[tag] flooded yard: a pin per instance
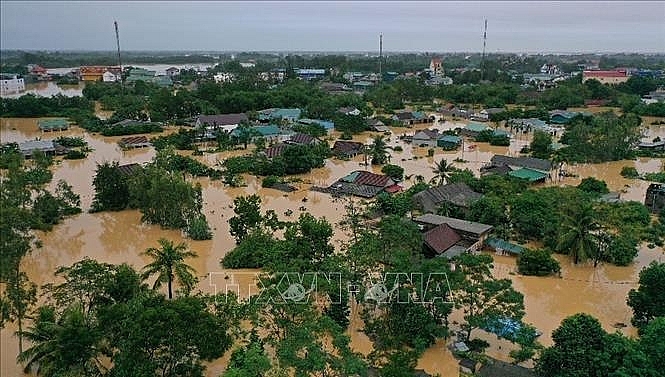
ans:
(120, 237)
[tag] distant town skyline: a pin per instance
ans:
(446, 26)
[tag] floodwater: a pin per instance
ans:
(120, 237)
(50, 89)
(160, 69)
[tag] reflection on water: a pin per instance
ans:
(120, 237)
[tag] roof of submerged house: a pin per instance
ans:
(222, 119)
(525, 162)
(441, 238)
(456, 224)
(459, 194)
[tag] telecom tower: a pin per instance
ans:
(117, 41)
(482, 59)
(380, 55)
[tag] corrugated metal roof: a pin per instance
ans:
(456, 224)
(529, 174)
(370, 179)
(441, 238)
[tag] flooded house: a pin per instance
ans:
(377, 125)
(529, 168)
(134, 142)
(48, 125)
(361, 183)
(347, 149)
(473, 129)
(277, 114)
(272, 133)
(224, 122)
(327, 125)
(129, 169)
(449, 142)
(655, 198)
(302, 139)
(425, 138)
(410, 118)
(457, 194)
(48, 147)
(449, 237)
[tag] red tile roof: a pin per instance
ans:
(441, 238)
(604, 73)
(371, 179)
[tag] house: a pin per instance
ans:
(470, 232)
(485, 114)
(335, 88)
(562, 117)
(516, 163)
(129, 169)
(498, 368)
(473, 129)
(362, 86)
(503, 247)
(426, 138)
(377, 125)
(449, 142)
(11, 83)
(326, 124)
(310, 74)
(134, 142)
(163, 81)
(439, 80)
(272, 133)
(38, 71)
(454, 112)
(443, 241)
(347, 149)
(302, 139)
(469, 366)
(221, 78)
(606, 77)
(48, 125)
(109, 76)
(530, 124)
(458, 194)
(409, 118)
(655, 198)
(436, 66)
(530, 175)
(654, 97)
(359, 183)
(275, 151)
(96, 73)
(225, 122)
(172, 71)
(290, 115)
(141, 74)
(349, 111)
(49, 147)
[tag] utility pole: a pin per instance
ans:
(482, 59)
(380, 56)
(117, 41)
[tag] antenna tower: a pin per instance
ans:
(117, 41)
(380, 55)
(482, 59)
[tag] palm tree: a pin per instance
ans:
(442, 170)
(378, 151)
(63, 345)
(168, 264)
(578, 236)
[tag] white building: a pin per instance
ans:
(224, 77)
(11, 83)
(109, 76)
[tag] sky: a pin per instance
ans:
(431, 26)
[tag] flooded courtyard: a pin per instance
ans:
(120, 237)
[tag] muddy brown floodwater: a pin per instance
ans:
(120, 237)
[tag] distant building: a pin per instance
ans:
(605, 77)
(172, 71)
(224, 122)
(11, 83)
(436, 66)
(310, 74)
(221, 78)
(349, 111)
(425, 138)
(96, 73)
(457, 194)
(109, 76)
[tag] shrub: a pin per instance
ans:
(629, 172)
(269, 181)
(199, 229)
(393, 171)
(75, 155)
(537, 263)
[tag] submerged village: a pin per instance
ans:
(333, 215)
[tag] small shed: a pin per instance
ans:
(530, 175)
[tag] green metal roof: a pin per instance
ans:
(450, 139)
(498, 243)
(476, 127)
(268, 130)
(50, 124)
(528, 174)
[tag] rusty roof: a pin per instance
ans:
(134, 140)
(275, 150)
(222, 119)
(371, 179)
(302, 139)
(441, 238)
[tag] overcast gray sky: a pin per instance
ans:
(447, 26)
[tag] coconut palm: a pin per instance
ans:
(442, 170)
(63, 345)
(379, 151)
(169, 264)
(578, 237)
